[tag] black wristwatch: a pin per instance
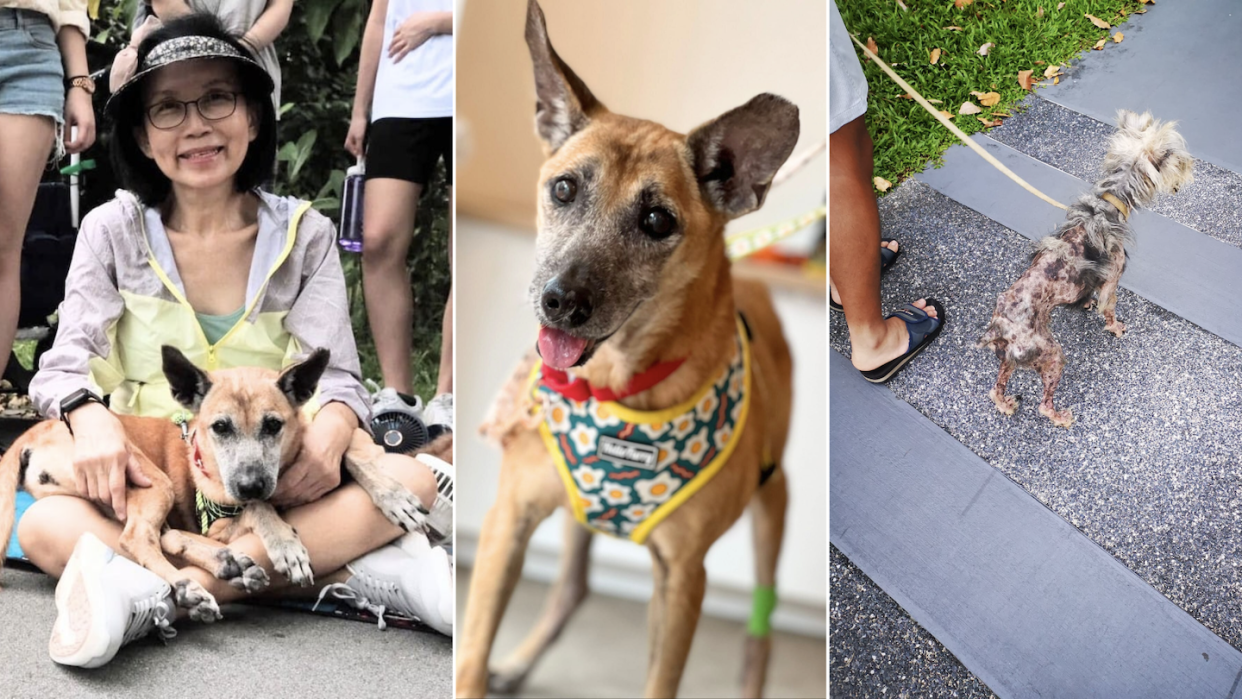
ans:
(76, 400)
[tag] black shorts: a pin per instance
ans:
(407, 149)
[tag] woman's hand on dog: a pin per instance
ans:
(317, 470)
(102, 462)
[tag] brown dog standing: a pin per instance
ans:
(632, 275)
(247, 429)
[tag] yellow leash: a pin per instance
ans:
(956, 131)
(740, 245)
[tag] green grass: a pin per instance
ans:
(906, 137)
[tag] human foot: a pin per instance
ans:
(921, 324)
(890, 250)
(867, 355)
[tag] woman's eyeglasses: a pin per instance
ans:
(213, 106)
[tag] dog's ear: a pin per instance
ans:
(1134, 123)
(736, 155)
(188, 384)
(299, 381)
(563, 104)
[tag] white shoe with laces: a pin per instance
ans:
(408, 577)
(105, 601)
(440, 516)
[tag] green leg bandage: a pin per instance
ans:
(762, 604)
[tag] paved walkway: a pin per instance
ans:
(1150, 472)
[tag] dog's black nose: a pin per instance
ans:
(254, 486)
(566, 301)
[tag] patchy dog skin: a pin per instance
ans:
(247, 429)
(1085, 257)
(631, 271)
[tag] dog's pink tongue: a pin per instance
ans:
(559, 349)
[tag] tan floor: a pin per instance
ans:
(575, 666)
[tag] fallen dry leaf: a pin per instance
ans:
(1098, 22)
(930, 100)
(1144, 2)
(1003, 115)
(935, 56)
(902, 5)
(1141, 12)
(1051, 71)
(988, 99)
(1039, 63)
(1118, 37)
(1040, 12)
(959, 4)
(872, 47)
(986, 122)
(1024, 79)
(953, 28)
(983, 50)
(1060, 5)
(1056, 80)
(969, 108)
(1099, 45)
(882, 184)
(947, 115)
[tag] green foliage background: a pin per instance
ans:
(904, 134)
(319, 66)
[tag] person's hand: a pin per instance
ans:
(102, 462)
(79, 113)
(317, 470)
(356, 136)
(413, 32)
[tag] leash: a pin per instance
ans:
(740, 245)
(956, 131)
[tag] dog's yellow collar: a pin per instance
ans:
(1115, 201)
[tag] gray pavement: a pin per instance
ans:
(252, 652)
(1150, 472)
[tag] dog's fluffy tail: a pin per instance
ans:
(12, 467)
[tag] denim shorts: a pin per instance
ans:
(31, 76)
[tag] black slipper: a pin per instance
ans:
(923, 331)
(888, 258)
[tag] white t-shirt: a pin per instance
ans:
(421, 85)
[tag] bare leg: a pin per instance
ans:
(1050, 365)
(854, 266)
(566, 595)
(1005, 404)
(445, 382)
(388, 218)
(25, 144)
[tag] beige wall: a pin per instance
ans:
(679, 62)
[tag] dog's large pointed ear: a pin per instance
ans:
(188, 384)
(737, 154)
(299, 381)
(564, 104)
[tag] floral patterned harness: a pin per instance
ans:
(626, 470)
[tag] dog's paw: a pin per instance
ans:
(240, 571)
(507, 683)
(401, 507)
(194, 597)
(1008, 405)
(291, 559)
(1060, 418)
(1116, 327)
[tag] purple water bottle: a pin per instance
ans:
(350, 231)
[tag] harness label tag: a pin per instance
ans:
(621, 452)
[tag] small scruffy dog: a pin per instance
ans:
(1086, 255)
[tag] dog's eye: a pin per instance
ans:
(658, 223)
(272, 426)
(222, 427)
(565, 189)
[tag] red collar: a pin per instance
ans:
(580, 390)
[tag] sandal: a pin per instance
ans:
(923, 330)
(888, 258)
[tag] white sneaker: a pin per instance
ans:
(104, 601)
(408, 577)
(440, 517)
(440, 411)
(389, 399)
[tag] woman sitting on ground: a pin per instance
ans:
(194, 256)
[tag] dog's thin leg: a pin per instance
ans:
(678, 598)
(1005, 404)
(238, 569)
(288, 555)
(140, 541)
(566, 595)
(1050, 365)
(768, 517)
(1108, 296)
(398, 504)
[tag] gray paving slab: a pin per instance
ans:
(877, 650)
(1179, 59)
(252, 652)
(1176, 267)
(1150, 471)
(1076, 144)
(1026, 601)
